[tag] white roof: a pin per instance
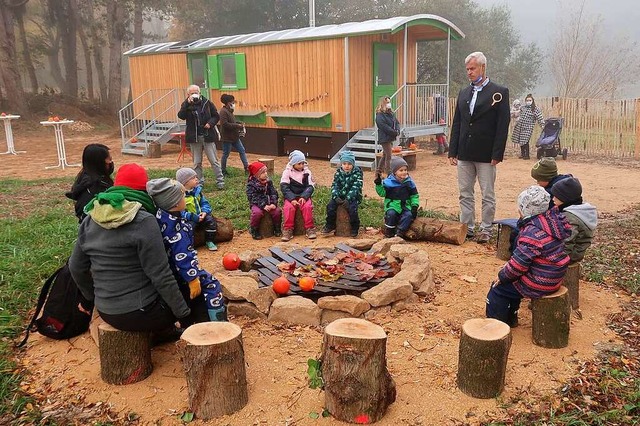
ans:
(389, 25)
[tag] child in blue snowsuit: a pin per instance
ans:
(401, 199)
(198, 210)
(177, 234)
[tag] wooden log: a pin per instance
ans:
(411, 160)
(503, 250)
(266, 226)
(572, 282)
(298, 226)
(212, 356)
(358, 387)
(482, 357)
(125, 356)
(441, 231)
(343, 226)
(224, 233)
(551, 319)
(154, 150)
(270, 163)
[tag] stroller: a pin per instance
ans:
(548, 143)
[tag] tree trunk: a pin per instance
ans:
(116, 31)
(96, 45)
(343, 226)
(441, 231)
(503, 251)
(54, 63)
(67, 28)
(125, 356)
(86, 50)
(482, 357)
(137, 34)
(357, 385)
(572, 282)
(8, 57)
(551, 320)
(212, 356)
(26, 52)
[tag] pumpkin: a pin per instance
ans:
(396, 149)
(231, 261)
(281, 285)
(413, 147)
(307, 283)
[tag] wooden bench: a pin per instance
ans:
(409, 156)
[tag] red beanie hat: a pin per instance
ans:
(256, 167)
(132, 176)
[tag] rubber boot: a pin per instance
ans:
(525, 151)
(277, 230)
(440, 150)
(255, 233)
(218, 314)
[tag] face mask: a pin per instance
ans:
(388, 106)
(232, 106)
(195, 97)
(528, 103)
(110, 168)
(477, 80)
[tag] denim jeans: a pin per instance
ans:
(485, 173)
(226, 150)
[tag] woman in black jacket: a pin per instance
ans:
(388, 131)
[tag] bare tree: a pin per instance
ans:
(586, 62)
(20, 10)
(8, 58)
(116, 14)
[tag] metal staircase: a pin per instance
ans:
(150, 118)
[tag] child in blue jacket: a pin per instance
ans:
(198, 210)
(401, 198)
(196, 284)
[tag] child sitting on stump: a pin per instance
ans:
(198, 210)
(545, 172)
(263, 198)
(583, 217)
(400, 198)
(196, 284)
(346, 190)
(297, 186)
(538, 262)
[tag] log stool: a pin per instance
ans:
(298, 227)
(482, 357)
(270, 163)
(503, 250)
(550, 319)
(213, 360)
(224, 233)
(357, 385)
(572, 282)
(343, 225)
(125, 356)
(266, 226)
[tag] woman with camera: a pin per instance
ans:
(231, 131)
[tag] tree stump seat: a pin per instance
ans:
(212, 355)
(125, 356)
(266, 227)
(482, 357)
(358, 387)
(224, 233)
(298, 226)
(572, 282)
(441, 231)
(343, 224)
(270, 163)
(551, 319)
(503, 249)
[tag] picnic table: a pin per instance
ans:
(62, 154)
(409, 156)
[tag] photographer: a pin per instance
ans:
(201, 133)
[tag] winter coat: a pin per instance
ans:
(229, 128)
(583, 219)
(196, 203)
(523, 129)
(84, 189)
(481, 136)
(388, 127)
(347, 186)
(197, 115)
(295, 184)
(539, 262)
(261, 195)
(398, 195)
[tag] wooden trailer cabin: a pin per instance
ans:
(313, 89)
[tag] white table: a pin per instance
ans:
(62, 154)
(9, 134)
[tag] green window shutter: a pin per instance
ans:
(213, 77)
(241, 71)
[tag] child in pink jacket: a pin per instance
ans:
(297, 186)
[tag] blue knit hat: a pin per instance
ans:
(296, 157)
(348, 157)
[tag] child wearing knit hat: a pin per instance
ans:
(538, 263)
(545, 173)
(297, 186)
(263, 199)
(201, 290)
(346, 190)
(198, 209)
(583, 217)
(401, 199)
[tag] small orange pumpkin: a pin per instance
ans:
(307, 283)
(281, 285)
(396, 149)
(413, 146)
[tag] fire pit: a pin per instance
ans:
(344, 270)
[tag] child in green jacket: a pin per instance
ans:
(346, 190)
(400, 198)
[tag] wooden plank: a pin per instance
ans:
(272, 265)
(353, 274)
(346, 282)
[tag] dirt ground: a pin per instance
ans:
(422, 349)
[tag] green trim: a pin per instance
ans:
(213, 78)
(301, 121)
(260, 118)
(241, 71)
(431, 23)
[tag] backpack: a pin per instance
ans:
(61, 318)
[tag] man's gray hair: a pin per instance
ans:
(478, 56)
(193, 87)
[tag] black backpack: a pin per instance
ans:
(61, 318)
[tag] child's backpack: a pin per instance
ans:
(61, 318)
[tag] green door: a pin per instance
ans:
(198, 71)
(385, 79)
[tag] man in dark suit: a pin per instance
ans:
(478, 139)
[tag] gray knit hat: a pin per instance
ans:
(533, 201)
(185, 174)
(396, 163)
(165, 192)
(296, 157)
(545, 169)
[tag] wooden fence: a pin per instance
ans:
(593, 126)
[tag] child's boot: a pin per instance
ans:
(255, 233)
(218, 314)
(389, 231)
(354, 231)
(211, 246)
(311, 233)
(287, 235)
(277, 230)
